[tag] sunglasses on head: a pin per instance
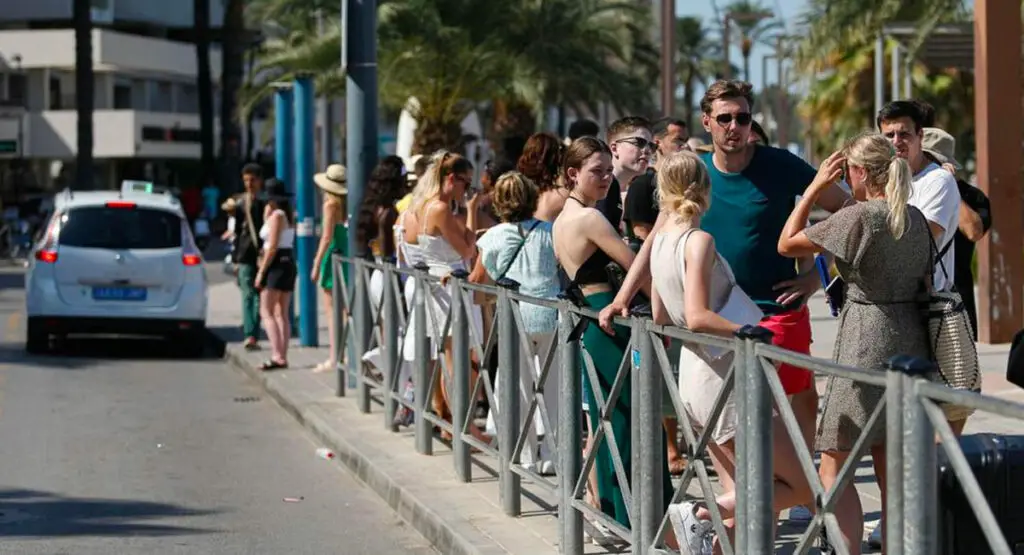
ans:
(742, 118)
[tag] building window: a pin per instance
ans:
(160, 96)
(188, 99)
(17, 89)
(123, 94)
(55, 97)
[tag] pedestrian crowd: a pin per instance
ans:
(711, 237)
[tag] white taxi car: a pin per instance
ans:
(120, 263)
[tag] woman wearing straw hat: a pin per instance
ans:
(333, 240)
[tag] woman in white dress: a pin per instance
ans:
(433, 234)
(694, 288)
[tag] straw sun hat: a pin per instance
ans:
(333, 180)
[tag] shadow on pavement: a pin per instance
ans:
(79, 352)
(39, 514)
(12, 280)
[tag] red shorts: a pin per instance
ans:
(792, 332)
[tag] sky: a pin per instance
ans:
(788, 10)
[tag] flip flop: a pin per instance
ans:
(325, 366)
(273, 365)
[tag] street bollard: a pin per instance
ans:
(339, 296)
(421, 376)
(570, 432)
(460, 377)
(508, 400)
(754, 483)
(649, 453)
(392, 371)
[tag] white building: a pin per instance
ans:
(146, 119)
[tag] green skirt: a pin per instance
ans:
(339, 245)
(607, 353)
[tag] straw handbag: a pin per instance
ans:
(952, 342)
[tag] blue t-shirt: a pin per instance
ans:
(211, 195)
(748, 211)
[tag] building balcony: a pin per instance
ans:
(53, 135)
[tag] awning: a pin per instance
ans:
(947, 46)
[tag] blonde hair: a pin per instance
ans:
(514, 197)
(887, 173)
(684, 185)
(442, 164)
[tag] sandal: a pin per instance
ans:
(676, 467)
(273, 365)
(252, 346)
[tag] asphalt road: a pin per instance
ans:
(115, 447)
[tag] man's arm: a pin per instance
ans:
(970, 223)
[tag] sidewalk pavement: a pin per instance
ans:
(467, 518)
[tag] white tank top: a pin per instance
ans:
(287, 237)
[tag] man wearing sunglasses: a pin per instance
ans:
(753, 191)
(630, 141)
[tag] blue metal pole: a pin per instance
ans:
(284, 149)
(359, 57)
(305, 201)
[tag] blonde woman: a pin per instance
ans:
(333, 240)
(520, 248)
(434, 234)
(881, 248)
(692, 284)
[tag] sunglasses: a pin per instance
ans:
(639, 142)
(742, 119)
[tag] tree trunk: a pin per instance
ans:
(232, 74)
(201, 16)
(688, 87)
(512, 118)
(85, 91)
(432, 136)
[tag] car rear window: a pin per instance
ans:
(101, 227)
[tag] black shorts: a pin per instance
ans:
(282, 272)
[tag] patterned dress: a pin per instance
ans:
(885, 279)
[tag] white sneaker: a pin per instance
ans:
(875, 538)
(692, 533)
(546, 468)
(599, 534)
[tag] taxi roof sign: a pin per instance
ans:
(136, 186)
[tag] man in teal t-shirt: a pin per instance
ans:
(753, 191)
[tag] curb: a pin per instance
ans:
(449, 538)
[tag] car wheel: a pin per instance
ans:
(37, 341)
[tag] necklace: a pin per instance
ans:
(581, 203)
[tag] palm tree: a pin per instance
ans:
(84, 83)
(234, 39)
(699, 60)
(755, 23)
(201, 19)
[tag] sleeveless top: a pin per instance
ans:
(287, 237)
(668, 272)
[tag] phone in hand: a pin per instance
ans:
(835, 292)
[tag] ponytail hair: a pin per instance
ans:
(897, 192)
(886, 173)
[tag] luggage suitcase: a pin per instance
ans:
(998, 464)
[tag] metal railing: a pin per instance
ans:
(910, 408)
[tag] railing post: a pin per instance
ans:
(894, 459)
(459, 395)
(648, 447)
(390, 384)
(339, 291)
(570, 431)
(364, 329)
(920, 472)
(754, 483)
(508, 400)
(421, 374)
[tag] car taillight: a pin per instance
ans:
(46, 256)
(120, 204)
(191, 259)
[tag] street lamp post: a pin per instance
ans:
(768, 116)
(668, 57)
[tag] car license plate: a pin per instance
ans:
(119, 293)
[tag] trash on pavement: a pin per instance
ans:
(325, 453)
(293, 499)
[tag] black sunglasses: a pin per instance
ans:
(639, 142)
(742, 119)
